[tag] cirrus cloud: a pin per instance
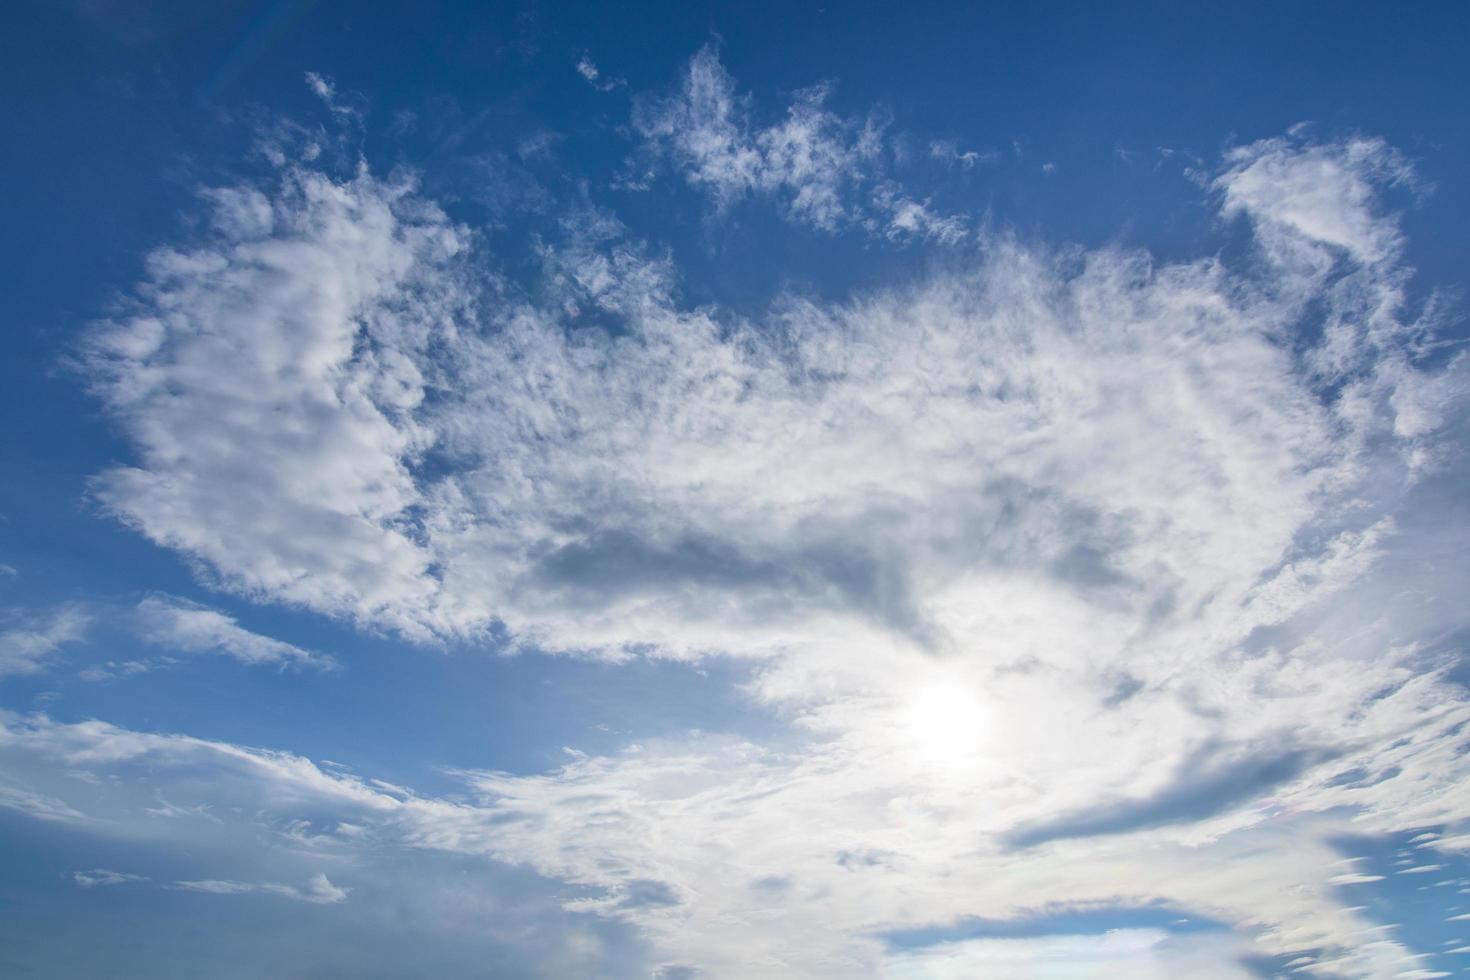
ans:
(1069, 572)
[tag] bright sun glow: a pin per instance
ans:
(947, 723)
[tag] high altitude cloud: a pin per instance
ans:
(28, 640)
(1319, 194)
(344, 870)
(165, 622)
(319, 890)
(179, 625)
(810, 158)
(1076, 574)
(825, 170)
(100, 877)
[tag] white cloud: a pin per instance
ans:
(326, 90)
(37, 805)
(29, 640)
(321, 87)
(904, 218)
(1321, 193)
(1140, 953)
(113, 669)
(702, 844)
(187, 627)
(589, 71)
(949, 152)
(268, 371)
(812, 161)
(172, 623)
(349, 859)
(101, 877)
(1179, 583)
(318, 890)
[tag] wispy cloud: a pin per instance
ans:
(176, 625)
(1303, 195)
(187, 627)
(326, 90)
(1065, 567)
(28, 640)
(949, 152)
(810, 159)
(594, 76)
(318, 890)
(826, 171)
(101, 877)
(37, 805)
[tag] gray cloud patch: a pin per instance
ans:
(644, 893)
(1203, 788)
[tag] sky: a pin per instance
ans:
(674, 491)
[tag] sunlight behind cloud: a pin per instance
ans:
(737, 523)
(1048, 551)
(945, 725)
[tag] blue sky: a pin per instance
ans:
(888, 490)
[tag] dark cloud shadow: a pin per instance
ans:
(1205, 785)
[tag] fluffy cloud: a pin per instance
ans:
(1070, 571)
(1315, 194)
(268, 370)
